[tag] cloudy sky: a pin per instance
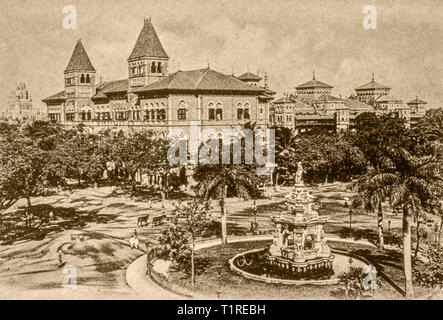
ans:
(285, 38)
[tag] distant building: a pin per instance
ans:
(20, 106)
(313, 105)
(153, 98)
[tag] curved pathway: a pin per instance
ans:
(145, 288)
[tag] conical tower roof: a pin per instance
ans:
(148, 44)
(79, 60)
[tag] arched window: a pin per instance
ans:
(182, 110)
(88, 79)
(153, 67)
(211, 111)
(83, 115)
(82, 78)
(89, 115)
(181, 114)
(219, 112)
(140, 70)
(159, 67)
(246, 114)
(239, 111)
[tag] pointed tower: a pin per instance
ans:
(148, 61)
(79, 83)
(80, 73)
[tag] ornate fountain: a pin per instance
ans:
(299, 245)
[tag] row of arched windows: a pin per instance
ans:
(85, 79)
(156, 67)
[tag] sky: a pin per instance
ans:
(285, 38)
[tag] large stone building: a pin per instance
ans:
(20, 106)
(313, 105)
(153, 98)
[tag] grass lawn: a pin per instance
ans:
(213, 260)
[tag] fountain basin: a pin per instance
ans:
(253, 265)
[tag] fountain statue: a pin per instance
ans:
(299, 244)
(299, 174)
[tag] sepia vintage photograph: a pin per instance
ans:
(221, 150)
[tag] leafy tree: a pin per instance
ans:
(409, 173)
(178, 241)
(215, 180)
(351, 283)
(140, 152)
(84, 155)
(27, 170)
(432, 274)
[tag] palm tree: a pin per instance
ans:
(285, 148)
(373, 189)
(215, 180)
(414, 183)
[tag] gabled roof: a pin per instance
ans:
(79, 60)
(148, 44)
(313, 84)
(61, 96)
(417, 101)
(200, 80)
(248, 76)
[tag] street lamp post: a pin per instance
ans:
(219, 284)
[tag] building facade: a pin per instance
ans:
(20, 106)
(152, 98)
(313, 105)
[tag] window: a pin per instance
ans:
(82, 78)
(181, 114)
(88, 79)
(120, 115)
(83, 115)
(153, 69)
(211, 111)
(159, 68)
(219, 114)
(146, 116)
(70, 116)
(211, 114)
(89, 115)
(239, 113)
(246, 113)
